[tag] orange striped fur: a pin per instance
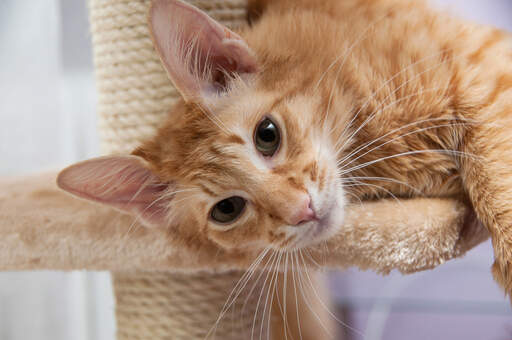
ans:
(417, 80)
(373, 99)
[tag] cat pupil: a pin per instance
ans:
(267, 135)
(226, 207)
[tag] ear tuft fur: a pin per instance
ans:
(198, 53)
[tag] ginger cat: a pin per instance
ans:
(315, 104)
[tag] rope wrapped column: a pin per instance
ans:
(155, 306)
(134, 96)
(134, 92)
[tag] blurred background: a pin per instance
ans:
(47, 119)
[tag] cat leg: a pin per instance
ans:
(487, 178)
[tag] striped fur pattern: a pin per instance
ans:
(382, 98)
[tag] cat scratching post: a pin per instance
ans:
(135, 95)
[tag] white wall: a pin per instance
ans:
(47, 118)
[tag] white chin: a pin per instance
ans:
(319, 231)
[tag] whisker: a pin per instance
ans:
(261, 271)
(402, 136)
(274, 256)
(295, 292)
(381, 187)
(312, 259)
(350, 48)
(168, 195)
(285, 299)
(271, 292)
(172, 193)
(306, 300)
(345, 56)
(344, 324)
(185, 199)
(281, 309)
(383, 107)
(354, 195)
(326, 251)
(237, 289)
(216, 121)
(450, 152)
(358, 149)
(138, 217)
(396, 90)
(386, 179)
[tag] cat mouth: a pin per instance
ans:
(315, 231)
(321, 231)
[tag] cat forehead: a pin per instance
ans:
(245, 107)
(218, 142)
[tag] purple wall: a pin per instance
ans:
(458, 300)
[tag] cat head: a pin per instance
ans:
(241, 161)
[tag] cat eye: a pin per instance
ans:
(228, 210)
(267, 138)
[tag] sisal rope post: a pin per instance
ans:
(134, 96)
(154, 306)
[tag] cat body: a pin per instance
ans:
(315, 104)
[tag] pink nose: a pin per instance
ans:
(305, 213)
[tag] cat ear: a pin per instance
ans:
(123, 182)
(197, 52)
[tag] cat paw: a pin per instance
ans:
(502, 272)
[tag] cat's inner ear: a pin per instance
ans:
(123, 182)
(198, 53)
